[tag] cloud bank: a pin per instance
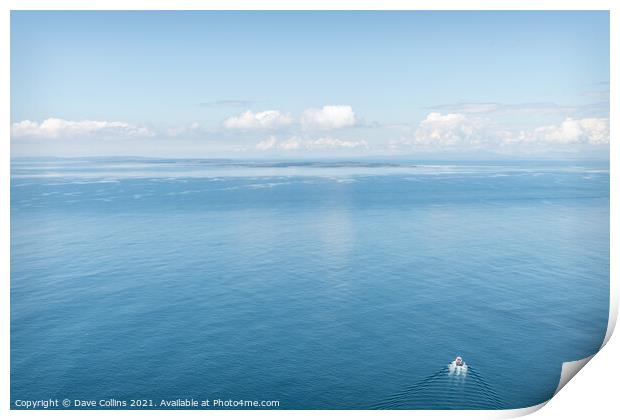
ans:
(56, 128)
(459, 131)
(297, 143)
(265, 120)
(476, 128)
(571, 131)
(328, 117)
(447, 129)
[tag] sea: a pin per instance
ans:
(318, 284)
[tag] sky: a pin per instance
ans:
(310, 84)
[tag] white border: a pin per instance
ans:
(310, 5)
(597, 385)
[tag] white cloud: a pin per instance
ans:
(459, 131)
(56, 128)
(570, 131)
(292, 143)
(267, 144)
(264, 120)
(296, 143)
(448, 130)
(328, 117)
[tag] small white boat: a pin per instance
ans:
(458, 367)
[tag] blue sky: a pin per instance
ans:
(299, 84)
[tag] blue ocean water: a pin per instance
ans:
(318, 284)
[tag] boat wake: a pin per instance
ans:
(451, 387)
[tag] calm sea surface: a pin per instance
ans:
(318, 284)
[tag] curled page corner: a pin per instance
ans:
(613, 312)
(520, 412)
(570, 369)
